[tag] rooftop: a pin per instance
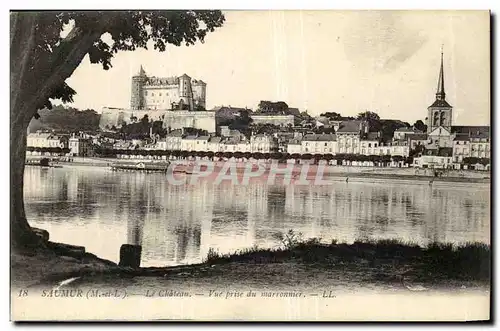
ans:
(440, 103)
(319, 137)
(215, 139)
(462, 137)
(40, 135)
(175, 133)
(410, 129)
(350, 126)
(418, 136)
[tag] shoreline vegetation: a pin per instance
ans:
(372, 261)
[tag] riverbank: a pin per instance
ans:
(382, 265)
(328, 171)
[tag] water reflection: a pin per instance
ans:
(178, 224)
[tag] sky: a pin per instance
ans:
(342, 61)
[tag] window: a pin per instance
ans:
(160, 94)
(441, 120)
(153, 94)
(145, 92)
(369, 145)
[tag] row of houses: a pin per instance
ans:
(205, 143)
(337, 144)
(78, 144)
(439, 147)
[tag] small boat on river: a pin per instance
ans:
(140, 166)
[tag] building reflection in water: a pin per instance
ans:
(179, 224)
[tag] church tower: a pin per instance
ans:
(440, 112)
(136, 97)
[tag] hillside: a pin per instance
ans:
(68, 119)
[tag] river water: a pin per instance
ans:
(101, 210)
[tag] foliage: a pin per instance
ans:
(47, 46)
(266, 128)
(242, 120)
(66, 119)
(469, 262)
(324, 130)
(51, 150)
(476, 160)
(128, 30)
(369, 116)
(336, 116)
(143, 129)
(278, 107)
(420, 125)
(388, 127)
(290, 239)
(383, 160)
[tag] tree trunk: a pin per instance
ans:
(22, 43)
(30, 85)
(21, 235)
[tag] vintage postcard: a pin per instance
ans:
(250, 165)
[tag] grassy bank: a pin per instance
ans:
(435, 262)
(385, 263)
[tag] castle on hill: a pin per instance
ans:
(179, 102)
(173, 93)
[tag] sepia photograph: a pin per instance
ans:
(250, 165)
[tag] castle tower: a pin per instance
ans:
(185, 91)
(440, 112)
(199, 88)
(136, 97)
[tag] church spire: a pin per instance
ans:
(440, 94)
(141, 72)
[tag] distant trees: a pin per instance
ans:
(476, 160)
(369, 116)
(51, 150)
(387, 128)
(143, 129)
(419, 125)
(332, 116)
(377, 160)
(240, 122)
(372, 118)
(272, 107)
(66, 119)
(266, 128)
